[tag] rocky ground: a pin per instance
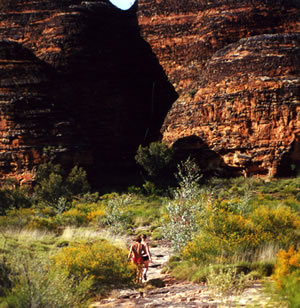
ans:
(161, 290)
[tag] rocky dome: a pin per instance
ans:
(236, 67)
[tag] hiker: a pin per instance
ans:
(135, 253)
(146, 255)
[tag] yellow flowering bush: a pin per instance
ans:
(234, 230)
(224, 232)
(287, 275)
(203, 248)
(74, 217)
(96, 216)
(87, 207)
(48, 212)
(17, 218)
(288, 263)
(101, 261)
(42, 223)
(278, 224)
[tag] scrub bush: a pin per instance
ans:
(226, 280)
(155, 158)
(34, 283)
(288, 263)
(100, 261)
(13, 196)
(278, 224)
(116, 213)
(17, 218)
(55, 188)
(224, 234)
(74, 217)
(186, 207)
(42, 224)
(287, 275)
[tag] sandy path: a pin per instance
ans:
(174, 293)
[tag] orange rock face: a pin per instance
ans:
(92, 82)
(236, 67)
(76, 77)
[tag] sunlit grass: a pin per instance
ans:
(26, 235)
(89, 234)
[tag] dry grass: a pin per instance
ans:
(77, 234)
(27, 235)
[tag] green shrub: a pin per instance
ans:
(36, 284)
(204, 248)
(17, 218)
(155, 158)
(279, 224)
(42, 223)
(55, 188)
(287, 275)
(74, 217)
(100, 261)
(150, 188)
(12, 195)
(116, 213)
(226, 280)
(186, 207)
(4, 273)
(223, 235)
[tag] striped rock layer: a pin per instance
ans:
(90, 83)
(236, 68)
(77, 79)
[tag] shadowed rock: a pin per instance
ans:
(105, 81)
(236, 68)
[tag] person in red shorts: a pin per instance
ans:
(135, 253)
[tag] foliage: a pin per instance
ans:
(288, 264)
(116, 214)
(155, 158)
(188, 176)
(226, 280)
(42, 223)
(100, 261)
(224, 234)
(203, 248)
(287, 275)
(55, 188)
(241, 225)
(74, 217)
(35, 284)
(276, 224)
(150, 189)
(70, 267)
(12, 195)
(17, 218)
(225, 221)
(4, 272)
(184, 209)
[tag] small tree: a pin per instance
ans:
(155, 158)
(56, 189)
(12, 195)
(186, 206)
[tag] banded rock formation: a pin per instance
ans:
(236, 66)
(76, 76)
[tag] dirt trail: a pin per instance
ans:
(161, 290)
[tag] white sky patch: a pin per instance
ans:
(123, 4)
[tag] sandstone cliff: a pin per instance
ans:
(236, 66)
(92, 83)
(76, 76)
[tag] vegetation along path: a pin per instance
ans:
(162, 290)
